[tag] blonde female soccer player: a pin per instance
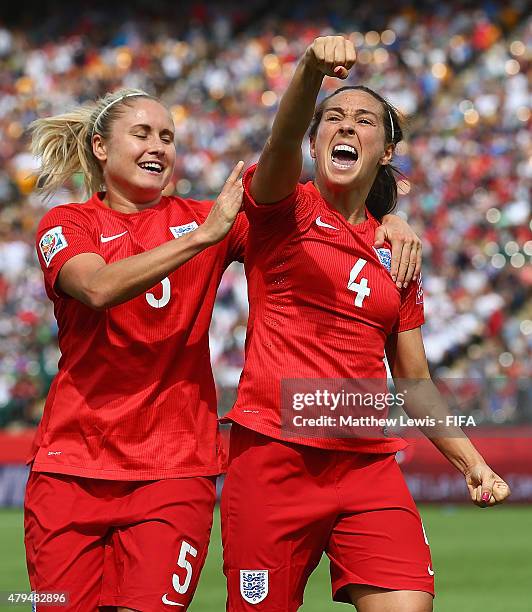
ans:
(120, 497)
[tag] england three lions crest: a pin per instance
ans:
(385, 257)
(181, 230)
(254, 585)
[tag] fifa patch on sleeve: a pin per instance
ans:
(254, 585)
(385, 257)
(51, 243)
(180, 230)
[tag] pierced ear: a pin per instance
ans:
(98, 148)
(388, 154)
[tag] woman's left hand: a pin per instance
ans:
(406, 249)
(485, 486)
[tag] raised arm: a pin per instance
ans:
(280, 163)
(98, 285)
(408, 364)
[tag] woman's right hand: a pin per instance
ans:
(225, 209)
(332, 55)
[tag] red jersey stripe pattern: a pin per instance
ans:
(134, 398)
(322, 305)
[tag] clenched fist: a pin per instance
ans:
(485, 486)
(332, 55)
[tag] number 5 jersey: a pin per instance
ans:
(134, 398)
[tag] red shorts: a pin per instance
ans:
(109, 543)
(283, 505)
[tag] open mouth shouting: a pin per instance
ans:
(153, 167)
(344, 156)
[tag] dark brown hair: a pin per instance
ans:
(382, 198)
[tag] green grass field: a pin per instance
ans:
(482, 559)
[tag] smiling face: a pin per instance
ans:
(349, 145)
(139, 156)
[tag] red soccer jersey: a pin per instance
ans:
(134, 398)
(322, 304)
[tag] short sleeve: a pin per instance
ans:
(62, 233)
(294, 205)
(411, 312)
(237, 239)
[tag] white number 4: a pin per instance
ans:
(182, 561)
(361, 287)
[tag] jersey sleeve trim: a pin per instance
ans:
(410, 324)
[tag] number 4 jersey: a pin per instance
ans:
(134, 398)
(322, 305)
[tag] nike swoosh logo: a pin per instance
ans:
(430, 570)
(169, 602)
(323, 224)
(109, 238)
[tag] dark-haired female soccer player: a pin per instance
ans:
(324, 306)
(120, 498)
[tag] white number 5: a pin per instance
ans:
(183, 562)
(361, 288)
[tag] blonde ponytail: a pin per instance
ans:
(63, 143)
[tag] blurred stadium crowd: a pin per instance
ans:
(459, 70)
